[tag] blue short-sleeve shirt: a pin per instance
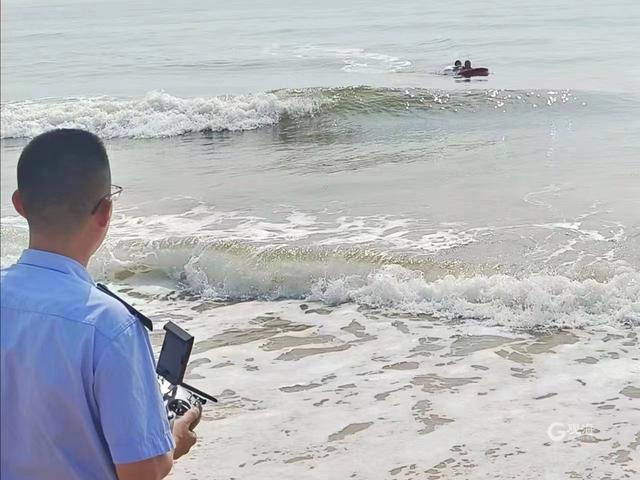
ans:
(79, 390)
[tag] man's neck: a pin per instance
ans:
(62, 246)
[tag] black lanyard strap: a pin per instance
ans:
(141, 317)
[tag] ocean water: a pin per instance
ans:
(390, 273)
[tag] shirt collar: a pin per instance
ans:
(54, 261)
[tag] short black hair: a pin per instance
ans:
(62, 174)
(458, 62)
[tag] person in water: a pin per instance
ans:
(452, 70)
(468, 71)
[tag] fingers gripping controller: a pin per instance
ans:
(179, 401)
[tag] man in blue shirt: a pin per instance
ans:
(80, 399)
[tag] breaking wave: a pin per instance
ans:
(238, 269)
(159, 114)
(528, 302)
(234, 270)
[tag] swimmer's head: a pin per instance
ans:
(467, 64)
(458, 63)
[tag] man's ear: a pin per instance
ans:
(16, 198)
(103, 213)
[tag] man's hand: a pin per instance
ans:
(183, 433)
(160, 466)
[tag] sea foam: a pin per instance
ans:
(228, 256)
(157, 114)
(539, 300)
(236, 271)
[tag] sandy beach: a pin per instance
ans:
(308, 391)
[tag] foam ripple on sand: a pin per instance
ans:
(334, 393)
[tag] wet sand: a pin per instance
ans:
(314, 392)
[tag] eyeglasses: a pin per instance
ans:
(116, 190)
